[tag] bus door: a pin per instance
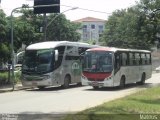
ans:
(116, 68)
(73, 63)
(125, 70)
(58, 65)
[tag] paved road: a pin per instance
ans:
(57, 100)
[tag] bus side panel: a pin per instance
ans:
(57, 76)
(67, 70)
(72, 68)
(147, 69)
(123, 71)
(116, 78)
(134, 74)
(76, 70)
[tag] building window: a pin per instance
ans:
(93, 26)
(85, 36)
(100, 29)
(84, 28)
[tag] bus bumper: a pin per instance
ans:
(108, 82)
(35, 83)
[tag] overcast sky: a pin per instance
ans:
(105, 6)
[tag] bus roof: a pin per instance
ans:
(113, 49)
(53, 44)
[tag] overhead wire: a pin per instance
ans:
(87, 9)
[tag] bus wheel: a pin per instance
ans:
(142, 79)
(66, 82)
(79, 84)
(41, 87)
(122, 82)
(95, 87)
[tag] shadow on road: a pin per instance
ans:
(59, 88)
(128, 86)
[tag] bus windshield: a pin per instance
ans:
(97, 61)
(38, 61)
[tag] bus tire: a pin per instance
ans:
(95, 87)
(122, 82)
(41, 87)
(79, 84)
(66, 82)
(143, 78)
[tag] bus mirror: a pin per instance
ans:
(56, 55)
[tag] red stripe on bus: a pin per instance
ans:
(96, 76)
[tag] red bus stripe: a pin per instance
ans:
(96, 76)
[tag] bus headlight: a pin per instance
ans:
(108, 78)
(83, 77)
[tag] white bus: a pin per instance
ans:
(109, 67)
(53, 63)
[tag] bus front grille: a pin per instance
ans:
(93, 79)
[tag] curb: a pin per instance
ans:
(10, 89)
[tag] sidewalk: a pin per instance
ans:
(9, 88)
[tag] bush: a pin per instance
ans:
(3, 78)
(17, 77)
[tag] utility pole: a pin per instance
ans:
(45, 26)
(12, 36)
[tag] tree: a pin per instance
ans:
(62, 29)
(4, 47)
(27, 28)
(153, 18)
(133, 27)
(125, 29)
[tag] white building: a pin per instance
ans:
(92, 29)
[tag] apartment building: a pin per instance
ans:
(92, 29)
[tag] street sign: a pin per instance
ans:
(47, 9)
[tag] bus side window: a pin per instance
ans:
(134, 59)
(117, 61)
(81, 50)
(148, 59)
(143, 59)
(124, 59)
(130, 58)
(71, 50)
(61, 50)
(137, 58)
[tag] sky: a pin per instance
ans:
(104, 8)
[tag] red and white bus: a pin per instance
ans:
(109, 67)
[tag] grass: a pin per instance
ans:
(4, 77)
(144, 104)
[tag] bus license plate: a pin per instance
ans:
(95, 83)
